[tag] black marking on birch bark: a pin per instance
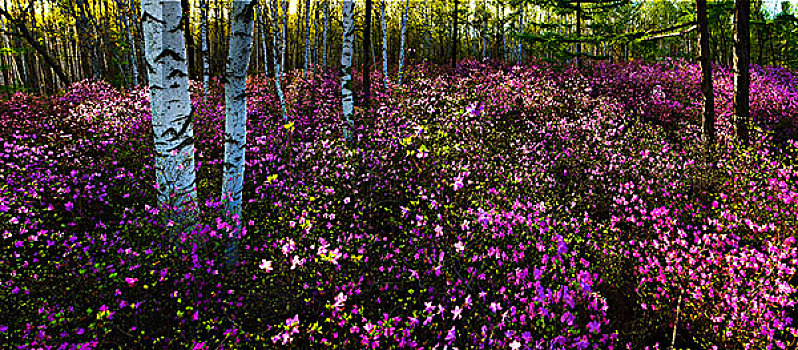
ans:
(146, 16)
(169, 53)
(231, 139)
(177, 73)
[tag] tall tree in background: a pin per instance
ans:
(347, 101)
(708, 113)
(366, 55)
(242, 21)
(324, 36)
(204, 38)
(278, 49)
(185, 6)
(307, 37)
(385, 78)
(402, 41)
(455, 38)
(21, 28)
(579, 33)
(284, 34)
(742, 59)
(131, 41)
(172, 115)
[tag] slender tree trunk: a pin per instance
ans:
(132, 56)
(348, 22)
(708, 115)
(485, 36)
(455, 38)
(139, 30)
(402, 40)
(385, 77)
(366, 55)
(307, 38)
(503, 32)
(268, 51)
(316, 40)
(278, 49)
(189, 39)
(242, 20)
(520, 43)
(324, 36)
(204, 44)
(579, 34)
(284, 34)
(29, 37)
(742, 58)
(172, 117)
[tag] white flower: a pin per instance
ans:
(459, 246)
(266, 265)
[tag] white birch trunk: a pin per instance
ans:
(204, 45)
(402, 41)
(307, 37)
(324, 36)
(277, 50)
(173, 132)
(347, 99)
(284, 33)
(520, 42)
(504, 37)
(385, 78)
(242, 18)
(263, 49)
(485, 41)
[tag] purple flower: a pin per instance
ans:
(593, 326)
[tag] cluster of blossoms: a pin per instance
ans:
(492, 207)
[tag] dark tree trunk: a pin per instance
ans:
(366, 55)
(708, 113)
(192, 65)
(23, 31)
(742, 58)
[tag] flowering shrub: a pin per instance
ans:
(487, 207)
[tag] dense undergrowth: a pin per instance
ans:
(490, 207)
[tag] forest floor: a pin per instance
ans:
(493, 207)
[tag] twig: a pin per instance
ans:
(676, 323)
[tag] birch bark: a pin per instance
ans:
(347, 100)
(242, 19)
(172, 117)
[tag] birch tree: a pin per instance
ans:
(278, 52)
(307, 37)
(172, 117)
(324, 36)
(242, 18)
(454, 35)
(204, 38)
(284, 34)
(385, 78)
(347, 100)
(366, 55)
(402, 41)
